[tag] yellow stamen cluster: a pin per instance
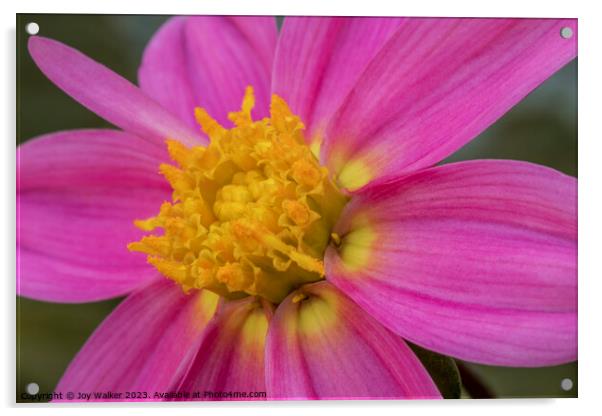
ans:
(251, 213)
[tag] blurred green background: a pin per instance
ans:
(541, 129)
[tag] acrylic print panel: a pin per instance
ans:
(267, 208)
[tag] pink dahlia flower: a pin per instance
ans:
(275, 270)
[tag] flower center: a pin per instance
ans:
(251, 213)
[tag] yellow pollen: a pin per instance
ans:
(305, 173)
(336, 239)
(297, 211)
(233, 276)
(299, 297)
(251, 213)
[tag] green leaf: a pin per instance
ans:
(443, 371)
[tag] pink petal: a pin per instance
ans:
(78, 193)
(142, 345)
(319, 60)
(476, 260)
(107, 94)
(231, 354)
(207, 61)
(325, 346)
(435, 86)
